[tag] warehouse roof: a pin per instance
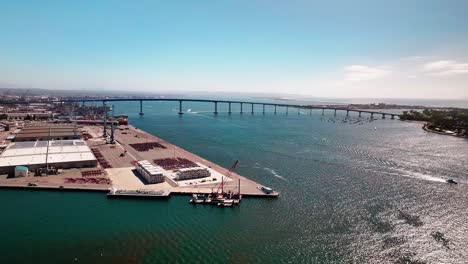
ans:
(36, 152)
(46, 131)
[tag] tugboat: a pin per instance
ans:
(452, 181)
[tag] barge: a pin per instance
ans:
(138, 194)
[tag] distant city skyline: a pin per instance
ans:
(355, 49)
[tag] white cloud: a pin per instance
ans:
(364, 73)
(445, 67)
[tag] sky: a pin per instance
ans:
(371, 48)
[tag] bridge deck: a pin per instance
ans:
(181, 100)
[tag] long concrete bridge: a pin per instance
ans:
(215, 103)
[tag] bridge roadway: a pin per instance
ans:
(215, 102)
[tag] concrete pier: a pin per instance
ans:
(252, 112)
(263, 108)
(123, 178)
(229, 111)
(241, 105)
(216, 108)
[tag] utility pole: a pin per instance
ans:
(112, 141)
(104, 133)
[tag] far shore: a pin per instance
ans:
(426, 128)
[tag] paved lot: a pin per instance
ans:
(133, 135)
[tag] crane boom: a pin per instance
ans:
(231, 170)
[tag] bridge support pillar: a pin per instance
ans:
(393, 117)
(216, 108)
(229, 111)
(252, 110)
(347, 112)
(287, 110)
(275, 109)
(242, 104)
(360, 113)
(372, 115)
(263, 108)
(141, 108)
(323, 111)
(180, 108)
(335, 113)
(383, 116)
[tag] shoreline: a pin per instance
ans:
(425, 128)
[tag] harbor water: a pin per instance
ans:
(351, 191)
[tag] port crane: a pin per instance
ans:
(220, 198)
(221, 186)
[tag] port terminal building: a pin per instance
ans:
(34, 155)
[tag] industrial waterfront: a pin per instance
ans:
(111, 162)
(352, 190)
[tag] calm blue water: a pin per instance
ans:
(352, 191)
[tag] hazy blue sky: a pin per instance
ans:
(323, 48)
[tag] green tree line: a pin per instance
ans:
(453, 119)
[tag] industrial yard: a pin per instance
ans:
(77, 157)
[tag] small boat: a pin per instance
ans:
(226, 203)
(452, 181)
(209, 199)
(197, 198)
(266, 190)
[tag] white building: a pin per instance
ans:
(62, 154)
(150, 173)
(192, 173)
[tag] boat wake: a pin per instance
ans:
(418, 175)
(274, 173)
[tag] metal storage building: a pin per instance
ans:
(62, 154)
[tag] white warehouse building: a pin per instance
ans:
(62, 154)
(150, 173)
(192, 173)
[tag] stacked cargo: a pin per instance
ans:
(175, 163)
(146, 146)
(150, 173)
(192, 173)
